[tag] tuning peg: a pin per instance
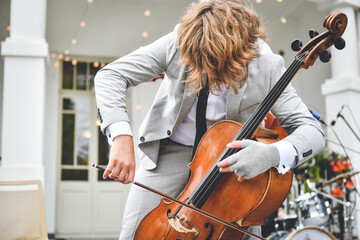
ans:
(339, 43)
(313, 33)
(296, 45)
(325, 56)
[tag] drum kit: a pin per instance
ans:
(312, 213)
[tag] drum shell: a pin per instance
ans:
(308, 232)
(315, 210)
(311, 232)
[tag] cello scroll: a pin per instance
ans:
(336, 23)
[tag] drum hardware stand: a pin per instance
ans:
(300, 224)
(346, 204)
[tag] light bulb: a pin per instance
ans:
(147, 13)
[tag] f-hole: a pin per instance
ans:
(207, 225)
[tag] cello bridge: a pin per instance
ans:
(175, 223)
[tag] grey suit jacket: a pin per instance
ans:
(173, 102)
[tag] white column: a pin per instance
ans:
(343, 89)
(25, 53)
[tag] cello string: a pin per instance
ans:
(282, 85)
(236, 150)
(168, 231)
(231, 151)
(252, 123)
(246, 131)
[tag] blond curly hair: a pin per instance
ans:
(218, 38)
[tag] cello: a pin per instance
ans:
(240, 204)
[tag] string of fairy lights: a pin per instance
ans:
(82, 25)
(283, 19)
(64, 55)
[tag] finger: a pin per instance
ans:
(108, 169)
(115, 172)
(223, 163)
(224, 169)
(238, 171)
(246, 142)
(122, 176)
(234, 144)
(233, 159)
(130, 177)
(241, 178)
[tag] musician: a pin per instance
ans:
(220, 39)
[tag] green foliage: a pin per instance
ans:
(319, 166)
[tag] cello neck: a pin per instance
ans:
(265, 106)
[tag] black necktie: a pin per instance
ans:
(201, 115)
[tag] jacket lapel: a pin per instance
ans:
(186, 103)
(233, 102)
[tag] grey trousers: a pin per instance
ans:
(170, 177)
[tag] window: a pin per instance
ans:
(79, 76)
(77, 107)
(75, 138)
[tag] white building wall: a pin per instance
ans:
(1, 96)
(5, 12)
(51, 149)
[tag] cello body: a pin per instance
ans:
(246, 203)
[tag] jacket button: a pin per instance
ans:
(142, 139)
(169, 132)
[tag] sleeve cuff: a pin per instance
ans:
(117, 128)
(288, 156)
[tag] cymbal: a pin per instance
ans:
(340, 177)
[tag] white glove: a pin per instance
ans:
(253, 159)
